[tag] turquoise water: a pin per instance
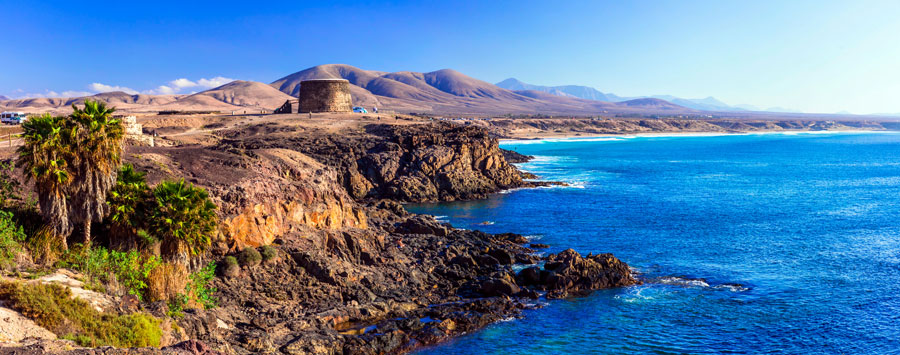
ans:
(754, 244)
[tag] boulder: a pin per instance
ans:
(529, 276)
(502, 256)
(569, 272)
(498, 287)
(422, 225)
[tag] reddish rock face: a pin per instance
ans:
(260, 196)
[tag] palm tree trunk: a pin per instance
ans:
(87, 233)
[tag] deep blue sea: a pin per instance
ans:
(769, 243)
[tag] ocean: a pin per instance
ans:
(760, 243)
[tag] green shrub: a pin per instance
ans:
(130, 270)
(53, 307)
(11, 237)
(199, 288)
(176, 306)
(268, 252)
(249, 257)
(230, 267)
(184, 219)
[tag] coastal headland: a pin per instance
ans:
(355, 273)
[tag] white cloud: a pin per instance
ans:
(177, 86)
(74, 93)
(98, 87)
(21, 94)
(162, 90)
(182, 83)
(214, 82)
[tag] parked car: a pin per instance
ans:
(359, 109)
(13, 117)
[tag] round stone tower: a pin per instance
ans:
(325, 95)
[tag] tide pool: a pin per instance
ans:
(769, 243)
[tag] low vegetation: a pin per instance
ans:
(11, 238)
(129, 271)
(53, 307)
(249, 257)
(268, 253)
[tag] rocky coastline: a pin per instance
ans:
(356, 273)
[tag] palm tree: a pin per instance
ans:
(45, 157)
(98, 148)
(129, 203)
(184, 218)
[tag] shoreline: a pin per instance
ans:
(622, 136)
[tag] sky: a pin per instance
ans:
(811, 56)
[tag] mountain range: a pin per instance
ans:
(443, 92)
(586, 92)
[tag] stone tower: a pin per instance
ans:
(325, 95)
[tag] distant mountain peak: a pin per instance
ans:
(583, 92)
(708, 103)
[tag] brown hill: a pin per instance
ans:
(651, 103)
(448, 91)
(236, 94)
(122, 101)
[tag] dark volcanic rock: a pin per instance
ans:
(514, 157)
(421, 224)
(569, 272)
(499, 287)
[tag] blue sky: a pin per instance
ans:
(814, 56)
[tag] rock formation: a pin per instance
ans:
(409, 163)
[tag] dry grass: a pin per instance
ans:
(53, 307)
(166, 281)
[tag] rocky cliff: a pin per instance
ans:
(409, 163)
(262, 194)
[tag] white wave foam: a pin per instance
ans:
(679, 281)
(732, 287)
(674, 135)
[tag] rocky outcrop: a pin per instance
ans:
(411, 163)
(514, 157)
(569, 273)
